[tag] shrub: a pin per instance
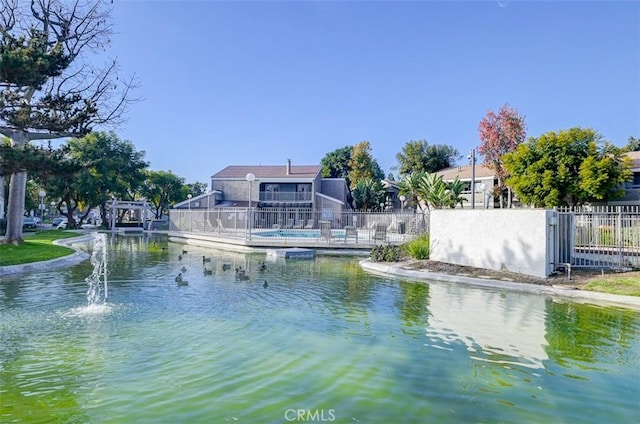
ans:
(386, 253)
(418, 248)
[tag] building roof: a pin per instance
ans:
(464, 172)
(269, 171)
(635, 159)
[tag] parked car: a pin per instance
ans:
(29, 223)
(62, 225)
(56, 221)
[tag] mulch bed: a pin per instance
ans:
(578, 276)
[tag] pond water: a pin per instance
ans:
(322, 342)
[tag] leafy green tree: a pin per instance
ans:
(633, 144)
(48, 89)
(161, 189)
(603, 173)
(110, 167)
(34, 160)
(566, 169)
(32, 199)
(412, 158)
(368, 194)
(362, 164)
(44, 166)
(420, 156)
(195, 189)
(115, 169)
(335, 164)
(500, 133)
(353, 163)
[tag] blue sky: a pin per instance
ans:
(242, 83)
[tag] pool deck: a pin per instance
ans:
(361, 238)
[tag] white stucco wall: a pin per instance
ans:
(516, 240)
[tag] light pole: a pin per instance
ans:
(482, 188)
(189, 196)
(41, 193)
(402, 224)
(207, 218)
(472, 157)
(250, 177)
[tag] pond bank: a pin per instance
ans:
(568, 292)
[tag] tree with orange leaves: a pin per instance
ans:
(499, 134)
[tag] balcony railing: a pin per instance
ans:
(271, 196)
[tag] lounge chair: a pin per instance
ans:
(289, 224)
(380, 232)
(220, 228)
(325, 230)
(309, 225)
(350, 231)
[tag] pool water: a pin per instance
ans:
(289, 233)
(297, 233)
(321, 341)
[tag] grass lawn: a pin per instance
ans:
(627, 284)
(36, 247)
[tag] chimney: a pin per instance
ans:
(288, 166)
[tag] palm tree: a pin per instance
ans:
(433, 191)
(456, 187)
(368, 194)
(410, 187)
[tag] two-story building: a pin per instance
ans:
(485, 183)
(632, 187)
(287, 195)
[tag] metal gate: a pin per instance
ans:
(599, 237)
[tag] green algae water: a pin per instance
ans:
(321, 341)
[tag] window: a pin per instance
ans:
(636, 179)
(271, 192)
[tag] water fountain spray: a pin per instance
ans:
(97, 281)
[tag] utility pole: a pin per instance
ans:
(472, 157)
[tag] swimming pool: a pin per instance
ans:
(297, 233)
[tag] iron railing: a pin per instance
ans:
(298, 226)
(599, 236)
(283, 196)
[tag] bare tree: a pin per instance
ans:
(48, 89)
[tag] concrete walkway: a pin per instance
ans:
(76, 257)
(575, 295)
